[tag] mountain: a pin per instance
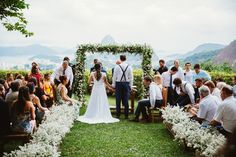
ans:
(108, 40)
(228, 55)
(207, 47)
(27, 50)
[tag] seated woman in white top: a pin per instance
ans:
(158, 80)
(214, 91)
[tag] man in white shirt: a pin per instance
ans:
(214, 91)
(207, 107)
(226, 112)
(185, 92)
(188, 73)
(122, 81)
(155, 99)
(167, 78)
(66, 70)
(180, 72)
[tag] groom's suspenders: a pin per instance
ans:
(123, 75)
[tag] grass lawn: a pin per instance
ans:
(120, 139)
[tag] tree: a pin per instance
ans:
(12, 17)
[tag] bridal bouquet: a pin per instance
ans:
(46, 140)
(206, 140)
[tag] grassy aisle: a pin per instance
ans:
(120, 139)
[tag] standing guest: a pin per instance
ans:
(66, 70)
(70, 64)
(168, 78)
(163, 68)
(2, 92)
(39, 110)
(234, 87)
(23, 113)
(12, 96)
(95, 61)
(10, 78)
(198, 84)
(180, 72)
(117, 63)
(226, 112)
(35, 73)
(155, 100)
(214, 91)
(4, 118)
(122, 81)
(199, 73)
(207, 107)
(188, 73)
(102, 69)
(62, 97)
(185, 92)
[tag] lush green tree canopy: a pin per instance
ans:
(11, 16)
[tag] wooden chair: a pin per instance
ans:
(155, 113)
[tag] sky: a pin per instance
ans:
(174, 26)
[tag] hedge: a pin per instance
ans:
(228, 77)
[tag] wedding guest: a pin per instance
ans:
(117, 63)
(198, 84)
(62, 97)
(122, 81)
(2, 92)
(26, 79)
(226, 112)
(168, 78)
(163, 67)
(220, 85)
(188, 73)
(158, 80)
(185, 92)
(155, 99)
(4, 118)
(66, 70)
(23, 113)
(9, 79)
(207, 107)
(214, 91)
(199, 73)
(95, 61)
(12, 96)
(5, 85)
(48, 85)
(39, 110)
(103, 69)
(35, 73)
(180, 72)
(70, 64)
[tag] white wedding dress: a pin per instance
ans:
(98, 110)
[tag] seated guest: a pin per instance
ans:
(162, 67)
(2, 92)
(4, 118)
(39, 92)
(48, 88)
(226, 112)
(39, 110)
(4, 88)
(12, 96)
(158, 80)
(220, 85)
(155, 99)
(35, 72)
(168, 78)
(188, 73)
(62, 97)
(9, 79)
(214, 91)
(23, 112)
(207, 107)
(199, 73)
(185, 92)
(198, 84)
(234, 87)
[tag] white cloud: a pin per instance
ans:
(172, 25)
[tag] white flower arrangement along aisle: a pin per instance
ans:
(206, 140)
(49, 135)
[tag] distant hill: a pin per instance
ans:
(27, 50)
(228, 54)
(207, 47)
(108, 40)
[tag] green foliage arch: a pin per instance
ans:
(143, 50)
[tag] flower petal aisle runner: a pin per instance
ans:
(207, 141)
(46, 140)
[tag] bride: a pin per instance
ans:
(98, 110)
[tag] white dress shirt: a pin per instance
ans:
(187, 88)
(216, 92)
(59, 72)
(188, 76)
(207, 108)
(155, 93)
(166, 79)
(118, 73)
(226, 113)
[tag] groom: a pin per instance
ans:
(122, 81)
